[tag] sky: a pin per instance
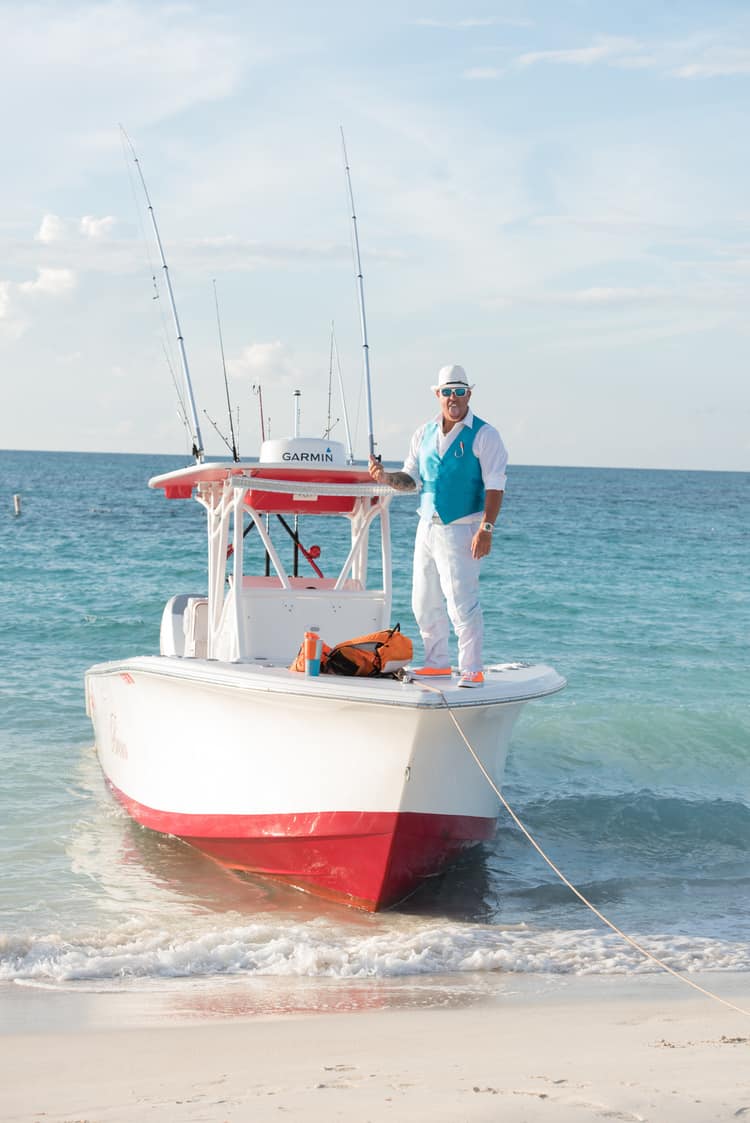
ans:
(555, 194)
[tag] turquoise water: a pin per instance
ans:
(636, 779)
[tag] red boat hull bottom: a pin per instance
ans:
(370, 860)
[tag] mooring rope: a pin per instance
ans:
(558, 872)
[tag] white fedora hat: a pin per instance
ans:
(452, 375)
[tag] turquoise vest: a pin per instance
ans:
(451, 485)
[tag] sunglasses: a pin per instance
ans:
(459, 391)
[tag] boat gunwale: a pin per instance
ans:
(254, 677)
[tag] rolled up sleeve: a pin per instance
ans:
(411, 464)
(493, 458)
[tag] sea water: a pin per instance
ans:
(635, 780)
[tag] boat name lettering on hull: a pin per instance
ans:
(117, 746)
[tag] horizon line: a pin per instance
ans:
(363, 460)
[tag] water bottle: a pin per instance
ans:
(313, 648)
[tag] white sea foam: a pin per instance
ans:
(316, 950)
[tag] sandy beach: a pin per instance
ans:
(641, 1050)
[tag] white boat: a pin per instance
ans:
(353, 788)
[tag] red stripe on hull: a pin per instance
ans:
(367, 859)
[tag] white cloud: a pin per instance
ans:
(615, 50)
(265, 362)
(4, 300)
(92, 227)
(50, 282)
(16, 298)
(698, 57)
(12, 323)
(52, 229)
(718, 62)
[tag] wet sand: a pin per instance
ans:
(645, 1049)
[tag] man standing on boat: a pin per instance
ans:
(459, 461)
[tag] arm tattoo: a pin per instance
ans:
(400, 481)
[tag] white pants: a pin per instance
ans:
(446, 577)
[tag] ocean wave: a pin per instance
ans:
(316, 950)
(694, 750)
(672, 827)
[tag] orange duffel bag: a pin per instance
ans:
(380, 653)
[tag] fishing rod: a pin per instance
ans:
(295, 535)
(329, 425)
(311, 554)
(196, 437)
(361, 293)
(258, 390)
(181, 411)
(223, 437)
(335, 351)
(233, 447)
